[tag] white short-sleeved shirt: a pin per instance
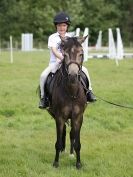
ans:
(54, 40)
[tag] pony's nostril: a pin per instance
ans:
(73, 77)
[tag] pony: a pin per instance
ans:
(67, 97)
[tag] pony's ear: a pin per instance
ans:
(63, 40)
(82, 39)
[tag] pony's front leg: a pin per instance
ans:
(71, 143)
(58, 144)
(77, 145)
(64, 139)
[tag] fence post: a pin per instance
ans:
(11, 50)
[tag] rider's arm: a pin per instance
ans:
(57, 53)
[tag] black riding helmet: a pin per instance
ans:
(62, 17)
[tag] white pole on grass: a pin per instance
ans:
(112, 47)
(11, 50)
(85, 44)
(0, 46)
(77, 32)
(120, 51)
(99, 41)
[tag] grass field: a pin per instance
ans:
(27, 134)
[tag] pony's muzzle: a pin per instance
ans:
(73, 72)
(73, 78)
(73, 69)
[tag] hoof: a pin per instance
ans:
(71, 156)
(56, 164)
(78, 166)
(63, 151)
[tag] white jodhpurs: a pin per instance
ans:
(51, 68)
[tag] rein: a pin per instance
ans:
(115, 104)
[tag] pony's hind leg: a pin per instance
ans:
(58, 144)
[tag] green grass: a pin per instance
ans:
(27, 134)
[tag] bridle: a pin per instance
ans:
(65, 68)
(65, 72)
(65, 75)
(73, 62)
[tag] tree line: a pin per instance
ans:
(31, 16)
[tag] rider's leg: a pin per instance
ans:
(90, 96)
(43, 102)
(51, 68)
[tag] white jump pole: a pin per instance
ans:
(112, 47)
(11, 50)
(0, 47)
(85, 44)
(120, 51)
(99, 41)
(77, 32)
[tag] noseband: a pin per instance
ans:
(73, 62)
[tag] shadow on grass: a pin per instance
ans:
(7, 113)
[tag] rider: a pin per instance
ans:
(61, 22)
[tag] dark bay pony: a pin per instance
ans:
(68, 99)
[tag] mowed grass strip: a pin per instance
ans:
(27, 134)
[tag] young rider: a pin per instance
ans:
(62, 22)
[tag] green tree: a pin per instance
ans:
(99, 15)
(31, 16)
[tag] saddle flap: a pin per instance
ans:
(49, 84)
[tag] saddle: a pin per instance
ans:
(50, 84)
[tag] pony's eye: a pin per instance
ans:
(81, 55)
(66, 57)
(80, 58)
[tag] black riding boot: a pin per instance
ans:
(90, 96)
(43, 103)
